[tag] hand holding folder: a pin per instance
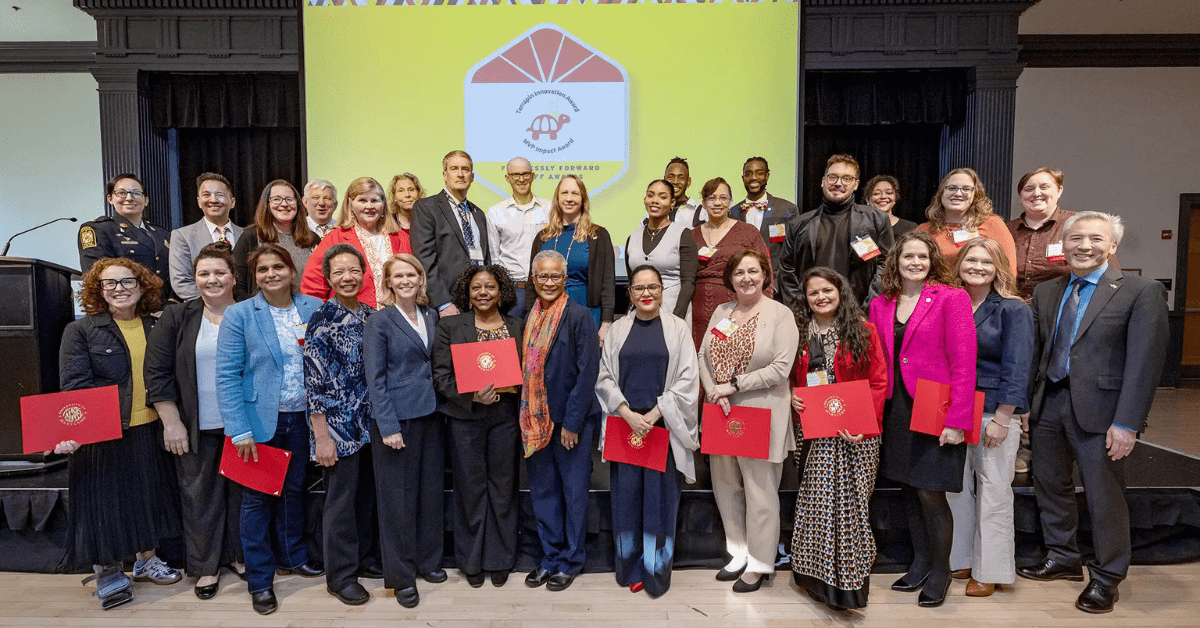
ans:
(622, 445)
(832, 408)
(930, 405)
(83, 416)
(744, 432)
(265, 475)
(478, 364)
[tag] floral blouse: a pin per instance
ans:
(334, 375)
(731, 356)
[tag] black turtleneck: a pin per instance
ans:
(833, 236)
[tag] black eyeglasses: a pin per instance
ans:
(128, 283)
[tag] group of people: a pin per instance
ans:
(332, 340)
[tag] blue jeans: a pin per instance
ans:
(285, 513)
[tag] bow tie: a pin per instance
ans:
(760, 205)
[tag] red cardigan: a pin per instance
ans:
(845, 371)
(313, 282)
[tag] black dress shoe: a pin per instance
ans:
(1097, 598)
(304, 571)
(741, 586)
(208, 591)
(241, 574)
(537, 577)
(408, 597)
(372, 573)
(264, 602)
(352, 594)
(905, 586)
(499, 578)
(1050, 569)
(475, 579)
(930, 598)
(436, 576)
(560, 581)
(729, 576)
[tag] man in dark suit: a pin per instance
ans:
(769, 214)
(449, 232)
(849, 238)
(125, 234)
(1099, 350)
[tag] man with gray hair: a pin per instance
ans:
(514, 222)
(320, 201)
(1098, 354)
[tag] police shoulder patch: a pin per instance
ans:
(87, 237)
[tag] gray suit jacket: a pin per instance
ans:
(437, 240)
(186, 243)
(1118, 353)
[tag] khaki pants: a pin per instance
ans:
(984, 537)
(747, 495)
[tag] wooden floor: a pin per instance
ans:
(1158, 596)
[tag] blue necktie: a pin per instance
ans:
(465, 216)
(1061, 351)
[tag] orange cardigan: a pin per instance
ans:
(993, 227)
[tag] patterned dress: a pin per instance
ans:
(710, 288)
(832, 545)
(335, 377)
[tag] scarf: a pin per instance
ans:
(829, 346)
(536, 425)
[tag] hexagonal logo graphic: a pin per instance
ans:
(552, 98)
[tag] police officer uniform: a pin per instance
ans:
(114, 236)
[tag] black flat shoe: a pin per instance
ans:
(729, 576)
(1097, 598)
(353, 594)
(741, 586)
(371, 573)
(499, 578)
(304, 571)
(560, 581)
(905, 587)
(537, 577)
(475, 579)
(241, 574)
(264, 602)
(931, 599)
(1050, 569)
(408, 597)
(208, 591)
(437, 576)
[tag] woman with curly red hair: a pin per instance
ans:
(121, 491)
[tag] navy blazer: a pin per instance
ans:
(1004, 328)
(399, 368)
(454, 330)
(170, 367)
(572, 367)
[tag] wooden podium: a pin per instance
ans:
(35, 307)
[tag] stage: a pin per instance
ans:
(1163, 495)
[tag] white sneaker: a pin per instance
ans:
(156, 571)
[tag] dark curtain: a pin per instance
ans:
(244, 126)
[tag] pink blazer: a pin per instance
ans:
(939, 345)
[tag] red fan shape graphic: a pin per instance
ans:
(547, 55)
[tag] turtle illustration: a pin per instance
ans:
(548, 124)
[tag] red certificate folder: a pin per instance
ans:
(746, 432)
(622, 445)
(477, 364)
(264, 476)
(930, 405)
(842, 406)
(85, 416)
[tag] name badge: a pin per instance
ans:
(817, 378)
(1054, 252)
(706, 252)
(962, 235)
(476, 255)
(777, 232)
(865, 247)
(724, 329)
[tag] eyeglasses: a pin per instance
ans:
(846, 179)
(724, 198)
(549, 277)
(119, 193)
(520, 176)
(652, 288)
(965, 189)
(279, 200)
(128, 283)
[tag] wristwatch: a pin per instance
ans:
(733, 382)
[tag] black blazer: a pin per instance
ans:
(170, 367)
(1004, 329)
(800, 252)
(93, 354)
(779, 211)
(398, 368)
(437, 240)
(1118, 354)
(602, 263)
(454, 330)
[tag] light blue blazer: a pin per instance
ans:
(250, 366)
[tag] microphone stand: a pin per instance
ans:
(9, 243)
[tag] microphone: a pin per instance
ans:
(9, 243)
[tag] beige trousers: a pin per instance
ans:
(984, 536)
(747, 495)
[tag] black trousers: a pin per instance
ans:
(211, 507)
(410, 488)
(484, 454)
(348, 518)
(1057, 441)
